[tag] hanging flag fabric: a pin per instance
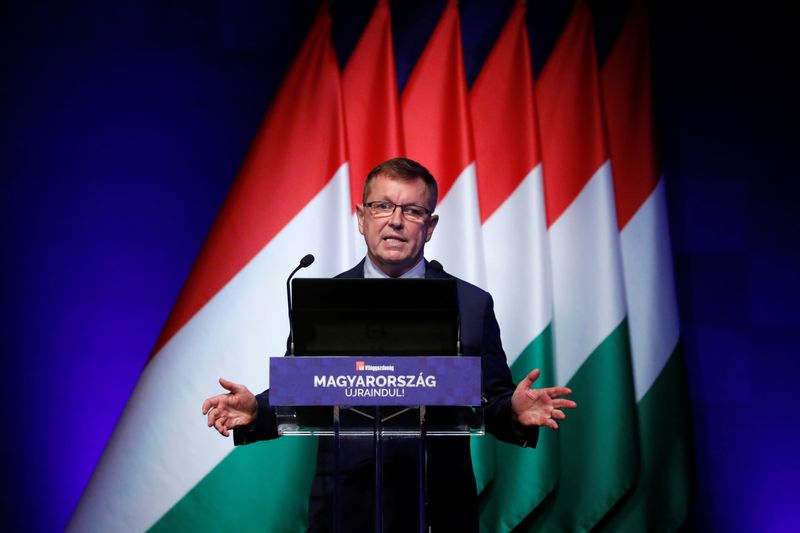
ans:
(163, 468)
(599, 442)
(437, 133)
(508, 161)
(661, 498)
(575, 259)
(372, 108)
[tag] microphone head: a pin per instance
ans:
(307, 260)
(436, 265)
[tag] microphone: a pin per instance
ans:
(436, 265)
(304, 262)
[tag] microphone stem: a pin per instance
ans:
(289, 301)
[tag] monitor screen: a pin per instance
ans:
(374, 317)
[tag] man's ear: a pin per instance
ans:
(360, 215)
(431, 226)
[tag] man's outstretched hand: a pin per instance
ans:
(234, 409)
(539, 407)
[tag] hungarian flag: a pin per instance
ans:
(577, 260)
(509, 166)
(599, 458)
(163, 468)
(663, 489)
(372, 108)
(437, 134)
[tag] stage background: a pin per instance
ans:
(124, 124)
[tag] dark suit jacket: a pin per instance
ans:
(451, 482)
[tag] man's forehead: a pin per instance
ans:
(408, 184)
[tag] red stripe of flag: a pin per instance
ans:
(504, 116)
(372, 109)
(570, 115)
(435, 112)
(629, 116)
(296, 152)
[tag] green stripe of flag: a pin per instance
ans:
(483, 451)
(259, 487)
(661, 501)
(523, 477)
(599, 443)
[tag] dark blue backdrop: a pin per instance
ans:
(124, 123)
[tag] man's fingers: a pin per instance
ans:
(214, 403)
(221, 407)
(558, 414)
(551, 423)
(216, 414)
(561, 403)
(210, 403)
(221, 426)
(558, 391)
(213, 415)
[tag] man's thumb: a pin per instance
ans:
(230, 385)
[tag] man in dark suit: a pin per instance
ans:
(396, 219)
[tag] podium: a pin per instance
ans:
(376, 359)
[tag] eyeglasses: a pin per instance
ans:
(383, 209)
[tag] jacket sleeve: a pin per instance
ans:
(266, 425)
(498, 387)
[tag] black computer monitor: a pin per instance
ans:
(374, 317)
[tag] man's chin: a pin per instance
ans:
(394, 260)
(393, 254)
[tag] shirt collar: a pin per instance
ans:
(371, 271)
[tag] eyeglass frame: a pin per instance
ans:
(369, 205)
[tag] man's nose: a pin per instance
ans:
(396, 218)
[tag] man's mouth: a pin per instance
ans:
(394, 238)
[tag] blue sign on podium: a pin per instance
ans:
(353, 380)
